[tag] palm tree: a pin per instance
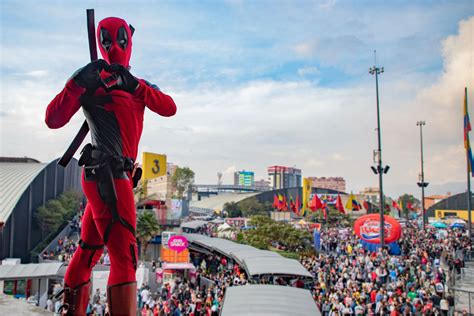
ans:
(147, 228)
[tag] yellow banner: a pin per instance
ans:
(306, 194)
(154, 165)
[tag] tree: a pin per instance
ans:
(182, 178)
(147, 228)
(57, 211)
(232, 209)
(251, 206)
(405, 199)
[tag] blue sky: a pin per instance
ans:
(260, 83)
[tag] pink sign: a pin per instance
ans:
(178, 243)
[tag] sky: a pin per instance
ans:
(261, 83)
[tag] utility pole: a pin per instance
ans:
(422, 184)
(380, 170)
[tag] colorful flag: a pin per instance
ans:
(352, 203)
(275, 201)
(316, 203)
(339, 205)
(395, 205)
(298, 204)
(284, 204)
(467, 129)
(293, 205)
(306, 195)
(410, 206)
(325, 211)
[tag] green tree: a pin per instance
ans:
(147, 228)
(56, 211)
(182, 178)
(232, 209)
(405, 199)
(251, 206)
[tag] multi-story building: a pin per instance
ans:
(244, 178)
(433, 199)
(161, 188)
(262, 185)
(333, 183)
(284, 177)
(372, 194)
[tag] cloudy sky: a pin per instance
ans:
(260, 83)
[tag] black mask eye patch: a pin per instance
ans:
(122, 37)
(105, 39)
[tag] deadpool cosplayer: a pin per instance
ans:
(114, 114)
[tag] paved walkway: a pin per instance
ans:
(12, 306)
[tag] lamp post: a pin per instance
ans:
(379, 169)
(422, 184)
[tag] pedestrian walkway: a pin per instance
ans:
(12, 306)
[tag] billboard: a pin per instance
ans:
(153, 165)
(176, 209)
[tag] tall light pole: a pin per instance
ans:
(380, 170)
(422, 184)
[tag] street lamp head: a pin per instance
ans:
(381, 70)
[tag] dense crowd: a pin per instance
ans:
(349, 280)
(200, 297)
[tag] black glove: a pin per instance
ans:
(88, 76)
(126, 81)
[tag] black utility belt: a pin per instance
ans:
(95, 161)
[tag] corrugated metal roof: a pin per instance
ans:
(29, 271)
(274, 300)
(14, 180)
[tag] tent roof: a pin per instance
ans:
(29, 271)
(255, 261)
(275, 300)
(193, 224)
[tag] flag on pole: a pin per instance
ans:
(292, 205)
(306, 195)
(395, 205)
(284, 206)
(275, 201)
(352, 203)
(467, 129)
(298, 205)
(339, 205)
(325, 211)
(410, 206)
(316, 203)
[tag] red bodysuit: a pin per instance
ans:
(115, 120)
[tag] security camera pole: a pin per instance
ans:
(422, 184)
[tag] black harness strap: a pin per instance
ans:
(85, 245)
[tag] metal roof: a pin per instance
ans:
(255, 261)
(193, 224)
(14, 180)
(268, 300)
(30, 271)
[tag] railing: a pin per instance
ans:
(52, 245)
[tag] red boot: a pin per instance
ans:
(122, 299)
(75, 300)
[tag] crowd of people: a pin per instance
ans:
(199, 296)
(350, 280)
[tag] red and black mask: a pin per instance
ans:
(115, 40)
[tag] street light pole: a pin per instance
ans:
(380, 170)
(422, 184)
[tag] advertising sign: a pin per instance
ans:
(176, 209)
(178, 243)
(154, 165)
(367, 227)
(165, 237)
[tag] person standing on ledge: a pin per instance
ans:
(114, 113)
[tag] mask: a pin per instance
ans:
(114, 37)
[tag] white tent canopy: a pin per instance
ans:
(255, 261)
(274, 300)
(30, 271)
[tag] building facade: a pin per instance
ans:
(244, 178)
(333, 183)
(284, 177)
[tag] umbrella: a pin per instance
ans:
(439, 225)
(457, 225)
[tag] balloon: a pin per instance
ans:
(367, 227)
